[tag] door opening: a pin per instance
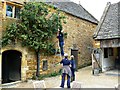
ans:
(11, 66)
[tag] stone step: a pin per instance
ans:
(10, 85)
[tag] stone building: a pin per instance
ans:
(19, 63)
(107, 35)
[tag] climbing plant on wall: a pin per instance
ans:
(35, 29)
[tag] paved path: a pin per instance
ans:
(84, 76)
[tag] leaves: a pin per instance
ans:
(36, 28)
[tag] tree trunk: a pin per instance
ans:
(38, 64)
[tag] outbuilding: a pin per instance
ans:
(107, 35)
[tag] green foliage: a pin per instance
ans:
(41, 77)
(10, 35)
(36, 28)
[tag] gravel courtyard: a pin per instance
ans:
(85, 77)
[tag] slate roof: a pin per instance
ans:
(75, 10)
(109, 25)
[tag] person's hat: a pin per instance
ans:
(72, 56)
(65, 54)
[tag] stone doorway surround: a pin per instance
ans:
(24, 66)
(11, 66)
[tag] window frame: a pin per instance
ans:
(14, 6)
(15, 14)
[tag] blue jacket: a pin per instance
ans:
(60, 37)
(65, 62)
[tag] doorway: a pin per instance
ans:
(117, 61)
(11, 66)
(74, 52)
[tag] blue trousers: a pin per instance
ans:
(73, 74)
(63, 80)
(61, 44)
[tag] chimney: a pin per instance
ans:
(79, 2)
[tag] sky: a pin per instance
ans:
(95, 7)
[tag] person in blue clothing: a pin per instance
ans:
(73, 67)
(61, 41)
(66, 71)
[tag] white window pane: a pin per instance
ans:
(9, 10)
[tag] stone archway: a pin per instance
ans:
(11, 66)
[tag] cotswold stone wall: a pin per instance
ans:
(52, 60)
(1, 16)
(79, 32)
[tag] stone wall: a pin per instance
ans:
(52, 60)
(0, 37)
(17, 1)
(1, 17)
(78, 31)
(24, 52)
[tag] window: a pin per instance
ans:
(9, 10)
(45, 65)
(105, 52)
(13, 11)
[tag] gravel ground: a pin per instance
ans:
(84, 76)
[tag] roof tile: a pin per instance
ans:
(74, 9)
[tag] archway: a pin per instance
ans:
(11, 66)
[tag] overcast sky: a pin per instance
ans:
(95, 7)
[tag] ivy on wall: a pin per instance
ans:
(36, 28)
